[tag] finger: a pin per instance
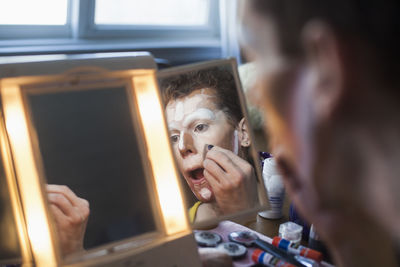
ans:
(66, 191)
(232, 172)
(211, 179)
(223, 157)
(235, 159)
(217, 173)
(61, 202)
(58, 215)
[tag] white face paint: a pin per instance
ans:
(179, 111)
(200, 124)
(206, 193)
(199, 114)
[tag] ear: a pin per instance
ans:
(243, 133)
(325, 61)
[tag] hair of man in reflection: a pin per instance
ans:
(210, 140)
(328, 86)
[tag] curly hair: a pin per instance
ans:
(220, 80)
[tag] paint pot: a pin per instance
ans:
(234, 250)
(207, 239)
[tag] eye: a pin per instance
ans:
(201, 127)
(174, 138)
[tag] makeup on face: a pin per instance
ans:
(198, 124)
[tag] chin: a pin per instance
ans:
(201, 198)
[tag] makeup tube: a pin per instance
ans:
(296, 249)
(260, 256)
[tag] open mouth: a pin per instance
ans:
(197, 174)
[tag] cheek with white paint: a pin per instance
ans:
(181, 141)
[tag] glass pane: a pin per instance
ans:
(38, 12)
(10, 251)
(152, 12)
(104, 152)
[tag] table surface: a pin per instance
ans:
(268, 227)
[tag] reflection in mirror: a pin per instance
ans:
(247, 74)
(212, 140)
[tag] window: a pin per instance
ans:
(29, 19)
(152, 12)
(33, 12)
(85, 19)
(178, 28)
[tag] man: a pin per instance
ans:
(210, 141)
(329, 89)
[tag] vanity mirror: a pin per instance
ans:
(212, 141)
(95, 124)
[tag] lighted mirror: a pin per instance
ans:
(212, 140)
(94, 141)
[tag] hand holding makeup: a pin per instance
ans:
(70, 214)
(231, 179)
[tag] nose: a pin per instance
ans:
(186, 144)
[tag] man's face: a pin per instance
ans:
(283, 95)
(194, 122)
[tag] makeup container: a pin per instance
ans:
(267, 259)
(234, 250)
(314, 242)
(296, 249)
(275, 189)
(291, 231)
(207, 239)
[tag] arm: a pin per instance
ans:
(70, 214)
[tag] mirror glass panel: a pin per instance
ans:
(88, 138)
(10, 250)
(212, 140)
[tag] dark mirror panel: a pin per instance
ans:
(10, 250)
(89, 142)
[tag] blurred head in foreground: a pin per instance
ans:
(328, 85)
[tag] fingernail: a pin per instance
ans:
(210, 146)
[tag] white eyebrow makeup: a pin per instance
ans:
(199, 114)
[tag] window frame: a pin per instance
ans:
(89, 29)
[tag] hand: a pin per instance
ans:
(70, 214)
(231, 178)
(212, 257)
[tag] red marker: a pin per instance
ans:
(260, 256)
(296, 249)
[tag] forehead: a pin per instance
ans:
(200, 98)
